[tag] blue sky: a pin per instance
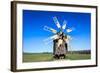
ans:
(34, 34)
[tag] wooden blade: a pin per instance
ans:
(56, 22)
(49, 29)
(64, 25)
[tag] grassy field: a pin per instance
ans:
(38, 57)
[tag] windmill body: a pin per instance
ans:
(60, 46)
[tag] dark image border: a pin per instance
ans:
(14, 35)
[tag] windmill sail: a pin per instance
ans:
(56, 22)
(51, 38)
(48, 42)
(68, 39)
(49, 29)
(64, 25)
(70, 29)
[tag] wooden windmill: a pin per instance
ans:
(60, 39)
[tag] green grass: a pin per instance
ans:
(38, 57)
(78, 56)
